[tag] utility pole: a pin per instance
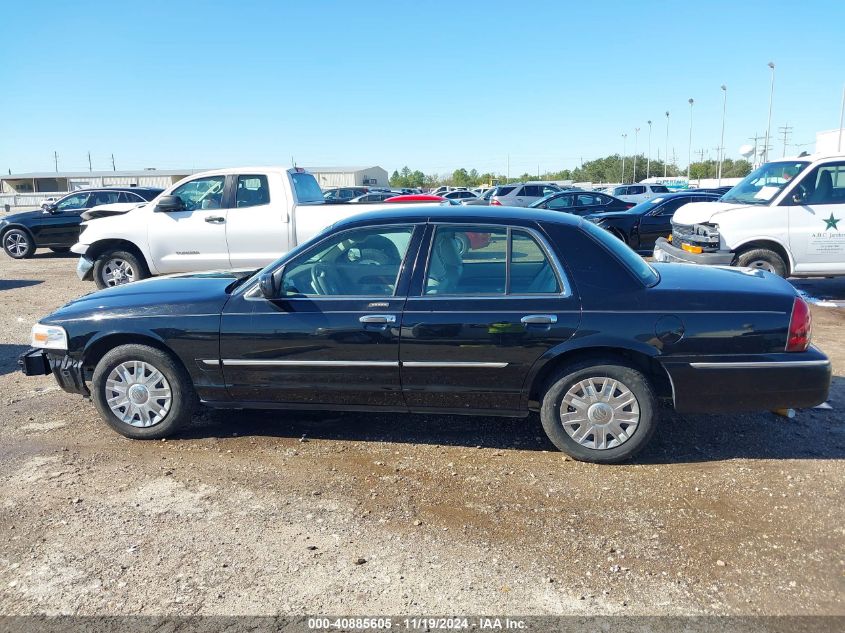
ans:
(113, 168)
(689, 147)
(756, 138)
(769, 125)
(722, 139)
(89, 161)
(666, 164)
(636, 139)
(785, 131)
(624, 143)
(56, 161)
(648, 160)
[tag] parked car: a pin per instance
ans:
(782, 218)
(57, 226)
(460, 195)
(581, 202)
(382, 313)
(481, 200)
(373, 196)
(521, 194)
(226, 218)
(46, 202)
(344, 194)
(641, 226)
(639, 193)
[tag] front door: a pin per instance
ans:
(477, 319)
(193, 238)
(817, 220)
(658, 222)
(60, 226)
(332, 335)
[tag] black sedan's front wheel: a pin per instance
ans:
(600, 411)
(18, 244)
(142, 392)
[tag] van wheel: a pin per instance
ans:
(118, 267)
(599, 411)
(142, 392)
(762, 259)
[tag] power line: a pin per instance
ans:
(786, 131)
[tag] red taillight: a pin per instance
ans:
(495, 203)
(800, 327)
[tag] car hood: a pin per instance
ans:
(605, 215)
(184, 294)
(23, 217)
(116, 208)
(700, 212)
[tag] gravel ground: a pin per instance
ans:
(280, 512)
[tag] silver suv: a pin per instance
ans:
(522, 194)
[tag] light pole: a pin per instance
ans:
(648, 160)
(636, 140)
(624, 145)
(841, 122)
(722, 141)
(666, 156)
(689, 148)
(769, 124)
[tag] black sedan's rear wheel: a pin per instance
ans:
(18, 244)
(142, 392)
(600, 411)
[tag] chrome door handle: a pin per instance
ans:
(539, 319)
(378, 318)
(215, 219)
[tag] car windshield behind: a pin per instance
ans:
(306, 187)
(764, 183)
(646, 206)
(636, 264)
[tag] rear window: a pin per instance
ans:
(503, 191)
(633, 262)
(306, 188)
(659, 189)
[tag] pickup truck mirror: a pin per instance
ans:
(267, 285)
(169, 203)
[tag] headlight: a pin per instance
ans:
(49, 336)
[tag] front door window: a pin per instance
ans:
(202, 193)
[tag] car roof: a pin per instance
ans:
(460, 214)
(90, 189)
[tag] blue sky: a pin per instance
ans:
(434, 85)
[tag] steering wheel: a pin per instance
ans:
(322, 280)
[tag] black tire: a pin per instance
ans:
(763, 259)
(18, 244)
(633, 379)
(463, 243)
(109, 257)
(60, 249)
(619, 235)
(183, 397)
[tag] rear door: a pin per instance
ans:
(476, 321)
(257, 222)
(193, 238)
(817, 220)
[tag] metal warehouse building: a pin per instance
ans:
(350, 176)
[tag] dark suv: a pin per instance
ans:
(57, 226)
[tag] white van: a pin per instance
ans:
(786, 217)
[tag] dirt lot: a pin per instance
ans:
(273, 512)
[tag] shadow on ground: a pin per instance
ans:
(12, 284)
(680, 439)
(9, 357)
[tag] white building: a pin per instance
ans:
(328, 177)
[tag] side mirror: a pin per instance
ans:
(798, 197)
(267, 285)
(169, 203)
(51, 208)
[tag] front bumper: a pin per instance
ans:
(67, 371)
(760, 382)
(84, 269)
(664, 251)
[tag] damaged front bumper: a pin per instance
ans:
(664, 251)
(84, 268)
(67, 371)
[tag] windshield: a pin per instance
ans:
(633, 262)
(306, 187)
(648, 205)
(764, 183)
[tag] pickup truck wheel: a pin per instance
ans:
(18, 244)
(599, 411)
(762, 259)
(118, 267)
(142, 393)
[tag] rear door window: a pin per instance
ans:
(252, 191)
(103, 197)
(504, 191)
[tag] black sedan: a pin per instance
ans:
(640, 226)
(581, 202)
(57, 226)
(384, 312)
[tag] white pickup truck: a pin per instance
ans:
(786, 217)
(242, 217)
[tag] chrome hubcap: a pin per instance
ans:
(761, 264)
(138, 393)
(600, 413)
(16, 244)
(117, 272)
